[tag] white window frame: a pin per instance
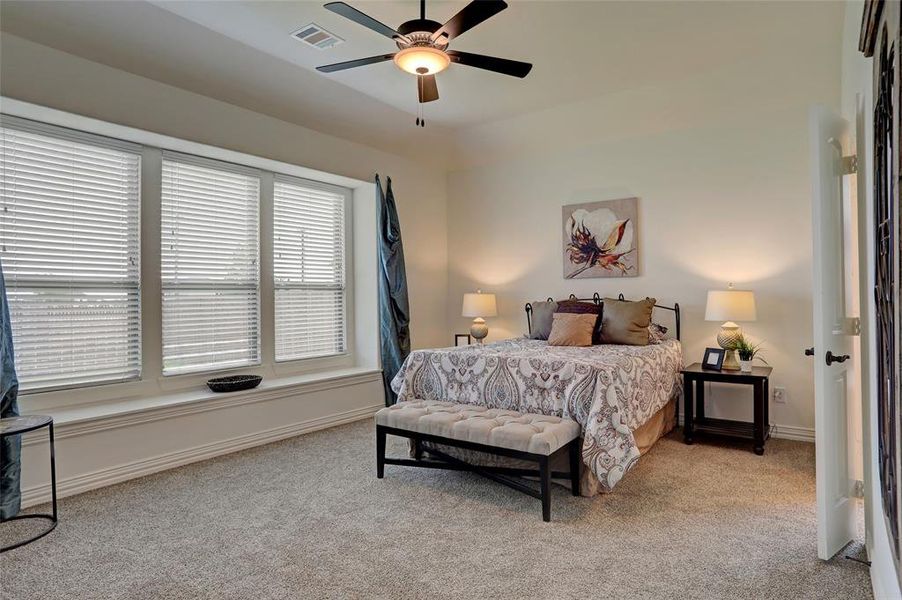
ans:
(153, 383)
(347, 260)
(28, 125)
(178, 157)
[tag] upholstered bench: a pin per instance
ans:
(525, 436)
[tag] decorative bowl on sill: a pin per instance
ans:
(234, 383)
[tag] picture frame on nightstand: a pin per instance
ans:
(713, 359)
(458, 336)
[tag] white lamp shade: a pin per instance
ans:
(480, 305)
(730, 305)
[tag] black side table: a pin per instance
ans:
(17, 426)
(695, 421)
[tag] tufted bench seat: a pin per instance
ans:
(503, 432)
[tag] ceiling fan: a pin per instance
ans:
(423, 45)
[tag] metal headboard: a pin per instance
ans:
(596, 298)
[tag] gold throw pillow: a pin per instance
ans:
(572, 329)
(625, 322)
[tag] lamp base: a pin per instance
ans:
(479, 330)
(726, 339)
(729, 361)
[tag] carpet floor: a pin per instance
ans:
(307, 518)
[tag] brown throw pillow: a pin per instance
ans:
(626, 322)
(579, 307)
(572, 329)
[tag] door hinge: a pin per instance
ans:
(853, 326)
(849, 164)
(858, 489)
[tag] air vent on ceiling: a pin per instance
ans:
(316, 36)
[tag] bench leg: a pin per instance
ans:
(575, 460)
(417, 450)
(545, 476)
(380, 452)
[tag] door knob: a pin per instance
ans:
(809, 351)
(831, 358)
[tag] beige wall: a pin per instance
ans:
(720, 165)
(48, 77)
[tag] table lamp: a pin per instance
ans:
(479, 305)
(730, 305)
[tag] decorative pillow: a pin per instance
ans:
(626, 322)
(572, 329)
(656, 333)
(542, 316)
(582, 308)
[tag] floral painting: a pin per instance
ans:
(600, 239)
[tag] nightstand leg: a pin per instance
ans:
(688, 407)
(699, 399)
(759, 417)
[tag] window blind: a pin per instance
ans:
(209, 265)
(308, 269)
(70, 249)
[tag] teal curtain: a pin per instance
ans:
(10, 447)
(394, 307)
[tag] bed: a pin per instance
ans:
(623, 397)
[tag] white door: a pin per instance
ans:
(832, 335)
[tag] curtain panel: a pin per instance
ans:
(394, 307)
(10, 447)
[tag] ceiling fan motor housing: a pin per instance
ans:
(427, 26)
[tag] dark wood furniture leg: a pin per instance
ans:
(576, 454)
(380, 451)
(699, 399)
(688, 406)
(545, 476)
(759, 417)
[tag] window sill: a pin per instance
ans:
(82, 419)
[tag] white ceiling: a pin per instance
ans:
(241, 52)
(578, 49)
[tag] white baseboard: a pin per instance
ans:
(791, 432)
(88, 481)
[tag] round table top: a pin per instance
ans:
(23, 424)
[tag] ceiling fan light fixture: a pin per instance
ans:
(422, 60)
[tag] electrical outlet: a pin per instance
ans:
(780, 395)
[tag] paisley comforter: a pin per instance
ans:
(609, 390)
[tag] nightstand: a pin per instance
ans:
(695, 421)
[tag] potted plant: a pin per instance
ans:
(747, 352)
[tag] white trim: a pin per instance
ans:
(101, 417)
(791, 432)
(82, 483)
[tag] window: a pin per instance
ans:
(71, 237)
(308, 269)
(209, 265)
(69, 244)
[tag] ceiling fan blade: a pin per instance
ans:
(349, 12)
(427, 90)
(350, 64)
(469, 17)
(515, 68)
